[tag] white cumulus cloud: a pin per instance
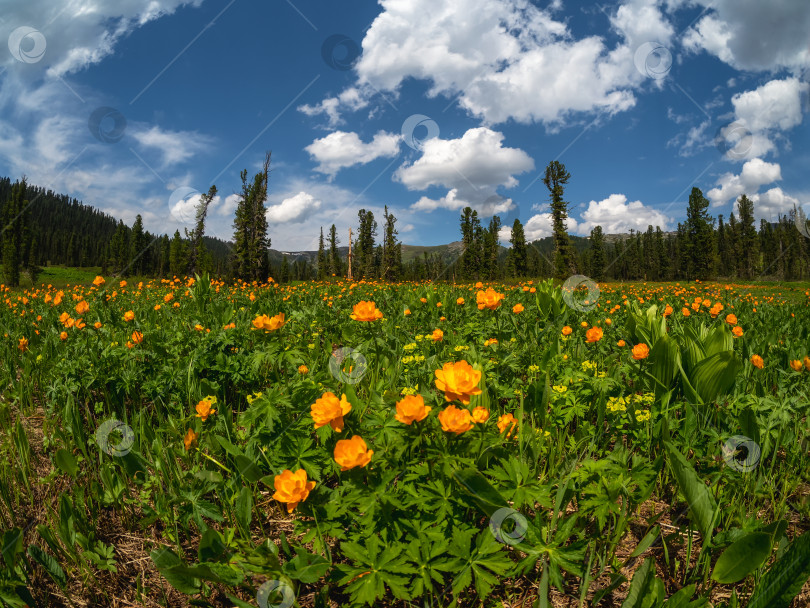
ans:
(616, 215)
(472, 167)
(755, 173)
(753, 35)
(340, 149)
(503, 59)
(293, 210)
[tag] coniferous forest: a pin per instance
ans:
(43, 228)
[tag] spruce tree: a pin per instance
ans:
(699, 237)
(251, 243)
(747, 241)
(597, 254)
(392, 249)
(518, 254)
(196, 248)
(334, 255)
(321, 258)
(555, 179)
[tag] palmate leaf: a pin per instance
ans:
(374, 567)
(480, 562)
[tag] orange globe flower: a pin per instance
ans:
(480, 415)
(685, 311)
(407, 312)
(490, 299)
(621, 343)
(796, 365)
(566, 331)
(458, 381)
(97, 325)
(437, 335)
(168, 297)
(737, 332)
(328, 409)
(99, 281)
(204, 407)
(807, 363)
(412, 409)
(667, 310)
(731, 319)
(137, 337)
(594, 334)
(292, 488)
(455, 420)
(351, 453)
(129, 316)
(269, 323)
(518, 308)
(640, 351)
(82, 307)
(23, 344)
(757, 361)
(63, 336)
(507, 421)
(303, 369)
(460, 301)
(366, 311)
(189, 439)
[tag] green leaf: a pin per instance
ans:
(66, 462)
(486, 497)
(12, 545)
(715, 375)
(645, 588)
(748, 424)
(682, 597)
(244, 508)
(306, 567)
(718, 340)
(742, 557)
(648, 540)
(212, 548)
(702, 506)
(785, 578)
(248, 469)
(664, 359)
(166, 561)
(51, 566)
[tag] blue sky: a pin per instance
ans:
(426, 106)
